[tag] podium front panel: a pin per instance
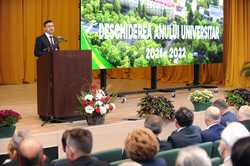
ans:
(72, 72)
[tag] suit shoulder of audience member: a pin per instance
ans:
(186, 133)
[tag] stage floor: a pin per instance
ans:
(22, 98)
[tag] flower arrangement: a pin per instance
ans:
(238, 97)
(9, 117)
(95, 103)
(156, 105)
(201, 96)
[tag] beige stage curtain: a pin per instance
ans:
(20, 23)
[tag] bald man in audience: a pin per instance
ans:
(244, 116)
(31, 153)
(214, 128)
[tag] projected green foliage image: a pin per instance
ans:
(142, 33)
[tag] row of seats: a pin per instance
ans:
(115, 156)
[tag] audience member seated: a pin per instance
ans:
(78, 148)
(233, 110)
(154, 123)
(186, 133)
(141, 145)
(131, 163)
(31, 153)
(64, 141)
(244, 116)
(13, 147)
(231, 134)
(214, 128)
(241, 152)
(193, 156)
(226, 115)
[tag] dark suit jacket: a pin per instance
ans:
(87, 161)
(15, 163)
(154, 162)
(163, 145)
(228, 117)
(187, 136)
(246, 123)
(213, 133)
(43, 46)
(60, 162)
(11, 163)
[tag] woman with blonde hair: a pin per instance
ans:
(141, 145)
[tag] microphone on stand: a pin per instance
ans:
(61, 39)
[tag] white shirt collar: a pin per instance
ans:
(179, 129)
(211, 125)
(227, 158)
(48, 35)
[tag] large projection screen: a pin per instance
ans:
(143, 33)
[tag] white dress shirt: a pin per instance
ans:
(51, 40)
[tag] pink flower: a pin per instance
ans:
(6, 115)
(92, 103)
(98, 110)
(112, 107)
(84, 103)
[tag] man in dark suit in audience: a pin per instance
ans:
(61, 162)
(214, 128)
(78, 149)
(244, 116)
(226, 115)
(154, 123)
(186, 134)
(47, 42)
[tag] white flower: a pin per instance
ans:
(89, 109)
(106, 106)
(101, 92)
(103, 110)
(88, 97)
(98, 103)
(99, 96)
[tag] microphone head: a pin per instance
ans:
(61, 39)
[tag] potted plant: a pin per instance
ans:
(156, 105)
(238, 97)
(95, 104)
(8, 119)
(201, 99)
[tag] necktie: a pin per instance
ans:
(51, 40)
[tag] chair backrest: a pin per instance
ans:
(169, 156)
(117, 163)
(207, 146)
(216, 161)
(110, 155)
(51, 152)
(215, 151)
(3, 157)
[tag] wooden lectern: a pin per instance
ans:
(60, 77)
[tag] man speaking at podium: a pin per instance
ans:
(47, 42)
